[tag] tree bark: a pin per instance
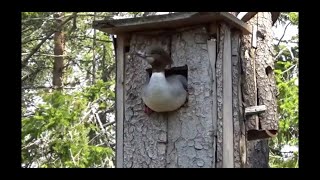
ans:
(94, 53)
(190, 129)
(59, 42)
(258, 88)
(179, 139)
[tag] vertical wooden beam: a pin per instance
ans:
(228, 157)
(219, 92)
(254, 36)
(242, 142)
(235, 101)
(212, 45)
(119, 100)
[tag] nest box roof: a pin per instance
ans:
(248, 15)
(169, 21)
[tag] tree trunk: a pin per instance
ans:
(93, 53)
(258, 88)
(59, 42)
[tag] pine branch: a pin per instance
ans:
(84, 37)
(30, 74)
(30, 40)
(109, 124)
(49, 55)
(34, 50)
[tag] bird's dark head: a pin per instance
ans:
(157, 57)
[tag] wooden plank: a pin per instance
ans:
(169, 21)
(219, 83)
(235, 22)
(228, 157)
(241, 15)
(255, 110)
(254, 36)
(253, 59)
(235, 45)
(246, 16)
(243, 142)
(275, 16)
(119, 100)
(212, 45)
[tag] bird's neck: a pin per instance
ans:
(158, 78)
(158, 69)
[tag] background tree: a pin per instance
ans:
(73, 127)
(68, 81)
(283, 148)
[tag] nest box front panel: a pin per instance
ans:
(190, 129)
(182, 138)
(145, 137)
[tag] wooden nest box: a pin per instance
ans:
(231, 100)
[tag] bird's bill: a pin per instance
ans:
(140, 54)
(149, 59)
(145, 56)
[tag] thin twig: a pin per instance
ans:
(284, 32)
(83, 37)
(103, 62)
(74, 26)
(30, 40)
(94, 53)
(88, 71)
(289, 68)
(27, 29)
(91, 15)
(71, 135)
(289, 48)
(74, 162)
(30, 74)
(31, 114)
(88, 111)
(44, 87)
(99, 122)
(286, 41)
(49, 55)
(111, 109)
(280, 52)
(78, 153)
(109, 124)
(35, 19)
(99, 134)
(28, 145)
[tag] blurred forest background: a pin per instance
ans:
(68, 90)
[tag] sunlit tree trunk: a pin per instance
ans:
(59, 43)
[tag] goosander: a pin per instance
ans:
(162, 93)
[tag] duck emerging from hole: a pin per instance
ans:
(161, 93)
